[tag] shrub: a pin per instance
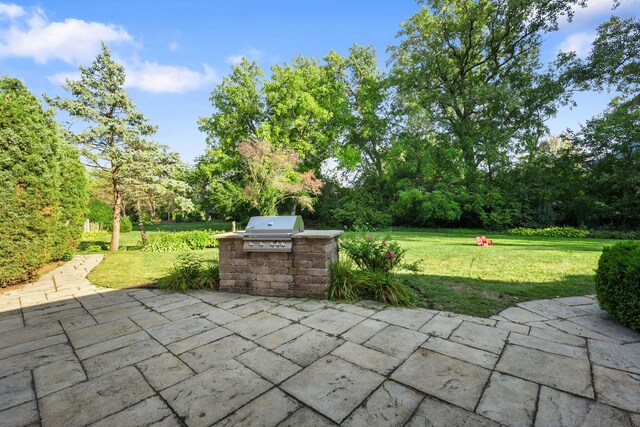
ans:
(125, 224)
(67, 256)
(100, 213)
(618, 283)
(549, 232)
(374, 255)
(181, 241)
(342, 283)
(615, 234)
(42, 186)
(191, 272)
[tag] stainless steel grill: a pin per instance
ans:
(271, 233)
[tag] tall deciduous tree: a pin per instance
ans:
(115, 132)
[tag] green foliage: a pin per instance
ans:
(372, 254)
(190, 271)
(549, 232)
(361, 211)
(115, 133)
(67, 256)
(618, 283)
(414, 207)
(125, 225)
(42, 186)
(615, 234)
(351, 285)
(181, 241)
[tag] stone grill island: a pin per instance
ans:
(275, 256)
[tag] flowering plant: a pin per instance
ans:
(371, 254)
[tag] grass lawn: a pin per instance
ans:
(455, 274)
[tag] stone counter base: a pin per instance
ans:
(304, 272)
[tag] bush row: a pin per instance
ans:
(182, 241)
(42, 186)
(549, 232)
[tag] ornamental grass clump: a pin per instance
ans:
(191, 272)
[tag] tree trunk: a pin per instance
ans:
(143, 234)
(117, 207)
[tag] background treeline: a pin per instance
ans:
(453, 134)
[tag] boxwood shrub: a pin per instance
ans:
(618, 282)
(549, 232)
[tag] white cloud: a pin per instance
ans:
(61, 78)
(251, 54)
(580, 43)
(73, 40)
(158, 78)
(11, 11)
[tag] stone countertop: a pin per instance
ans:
(306, 234)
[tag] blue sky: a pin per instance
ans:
(175, 52)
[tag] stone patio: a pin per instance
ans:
(73, 354)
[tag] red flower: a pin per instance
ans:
(390, 255)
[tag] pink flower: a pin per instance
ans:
(390, 255)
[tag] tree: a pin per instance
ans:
(114, 134)
(273, 178)
(471, 68)
(42, 186)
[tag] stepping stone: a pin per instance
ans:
(282, 336)
(432, 412)
(164, 371)
(446, 378)
(545, 368)
(617, 388)
(391, 404)
(306, 416)
(332, 386)
(91, 401)
(462, 352)
(288, 312)
(556, 408)
(15, 390)
(102, 332)
(199, 340)
(396, 341)
(407, 318)
(33, 359)
(252, 308)
(608, 327)
(267, 410)
(483, 337)
(364, 330)
(356, 309)
(28, 334)
(552, 334)
(257, 325)
(332, 321)
(578, 330)
(440, 326)
(551, 309)
(57, 376)
(21, 415)
(571, 301)
(309, 347)
(125, 356)
(623, 357)
(147, 412)
(520, 315)
(202, 358)
(221, 317)
(268, 365)
(513, 327)
(547, 345)
(112, 344)
(180, 329)
(509, 400)
(210, 396)
(367, 358)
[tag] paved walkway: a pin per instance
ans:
(72, 354)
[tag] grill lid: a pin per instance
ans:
(273, 226)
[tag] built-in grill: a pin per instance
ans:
(271, 233)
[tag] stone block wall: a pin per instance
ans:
(303, 272)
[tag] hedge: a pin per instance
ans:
(42, 186)
(618, 282)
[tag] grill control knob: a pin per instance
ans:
(251, 244)
(272, 244)
(261, 244)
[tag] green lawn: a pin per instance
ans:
(455, 274)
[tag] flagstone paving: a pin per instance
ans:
(73, 354)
